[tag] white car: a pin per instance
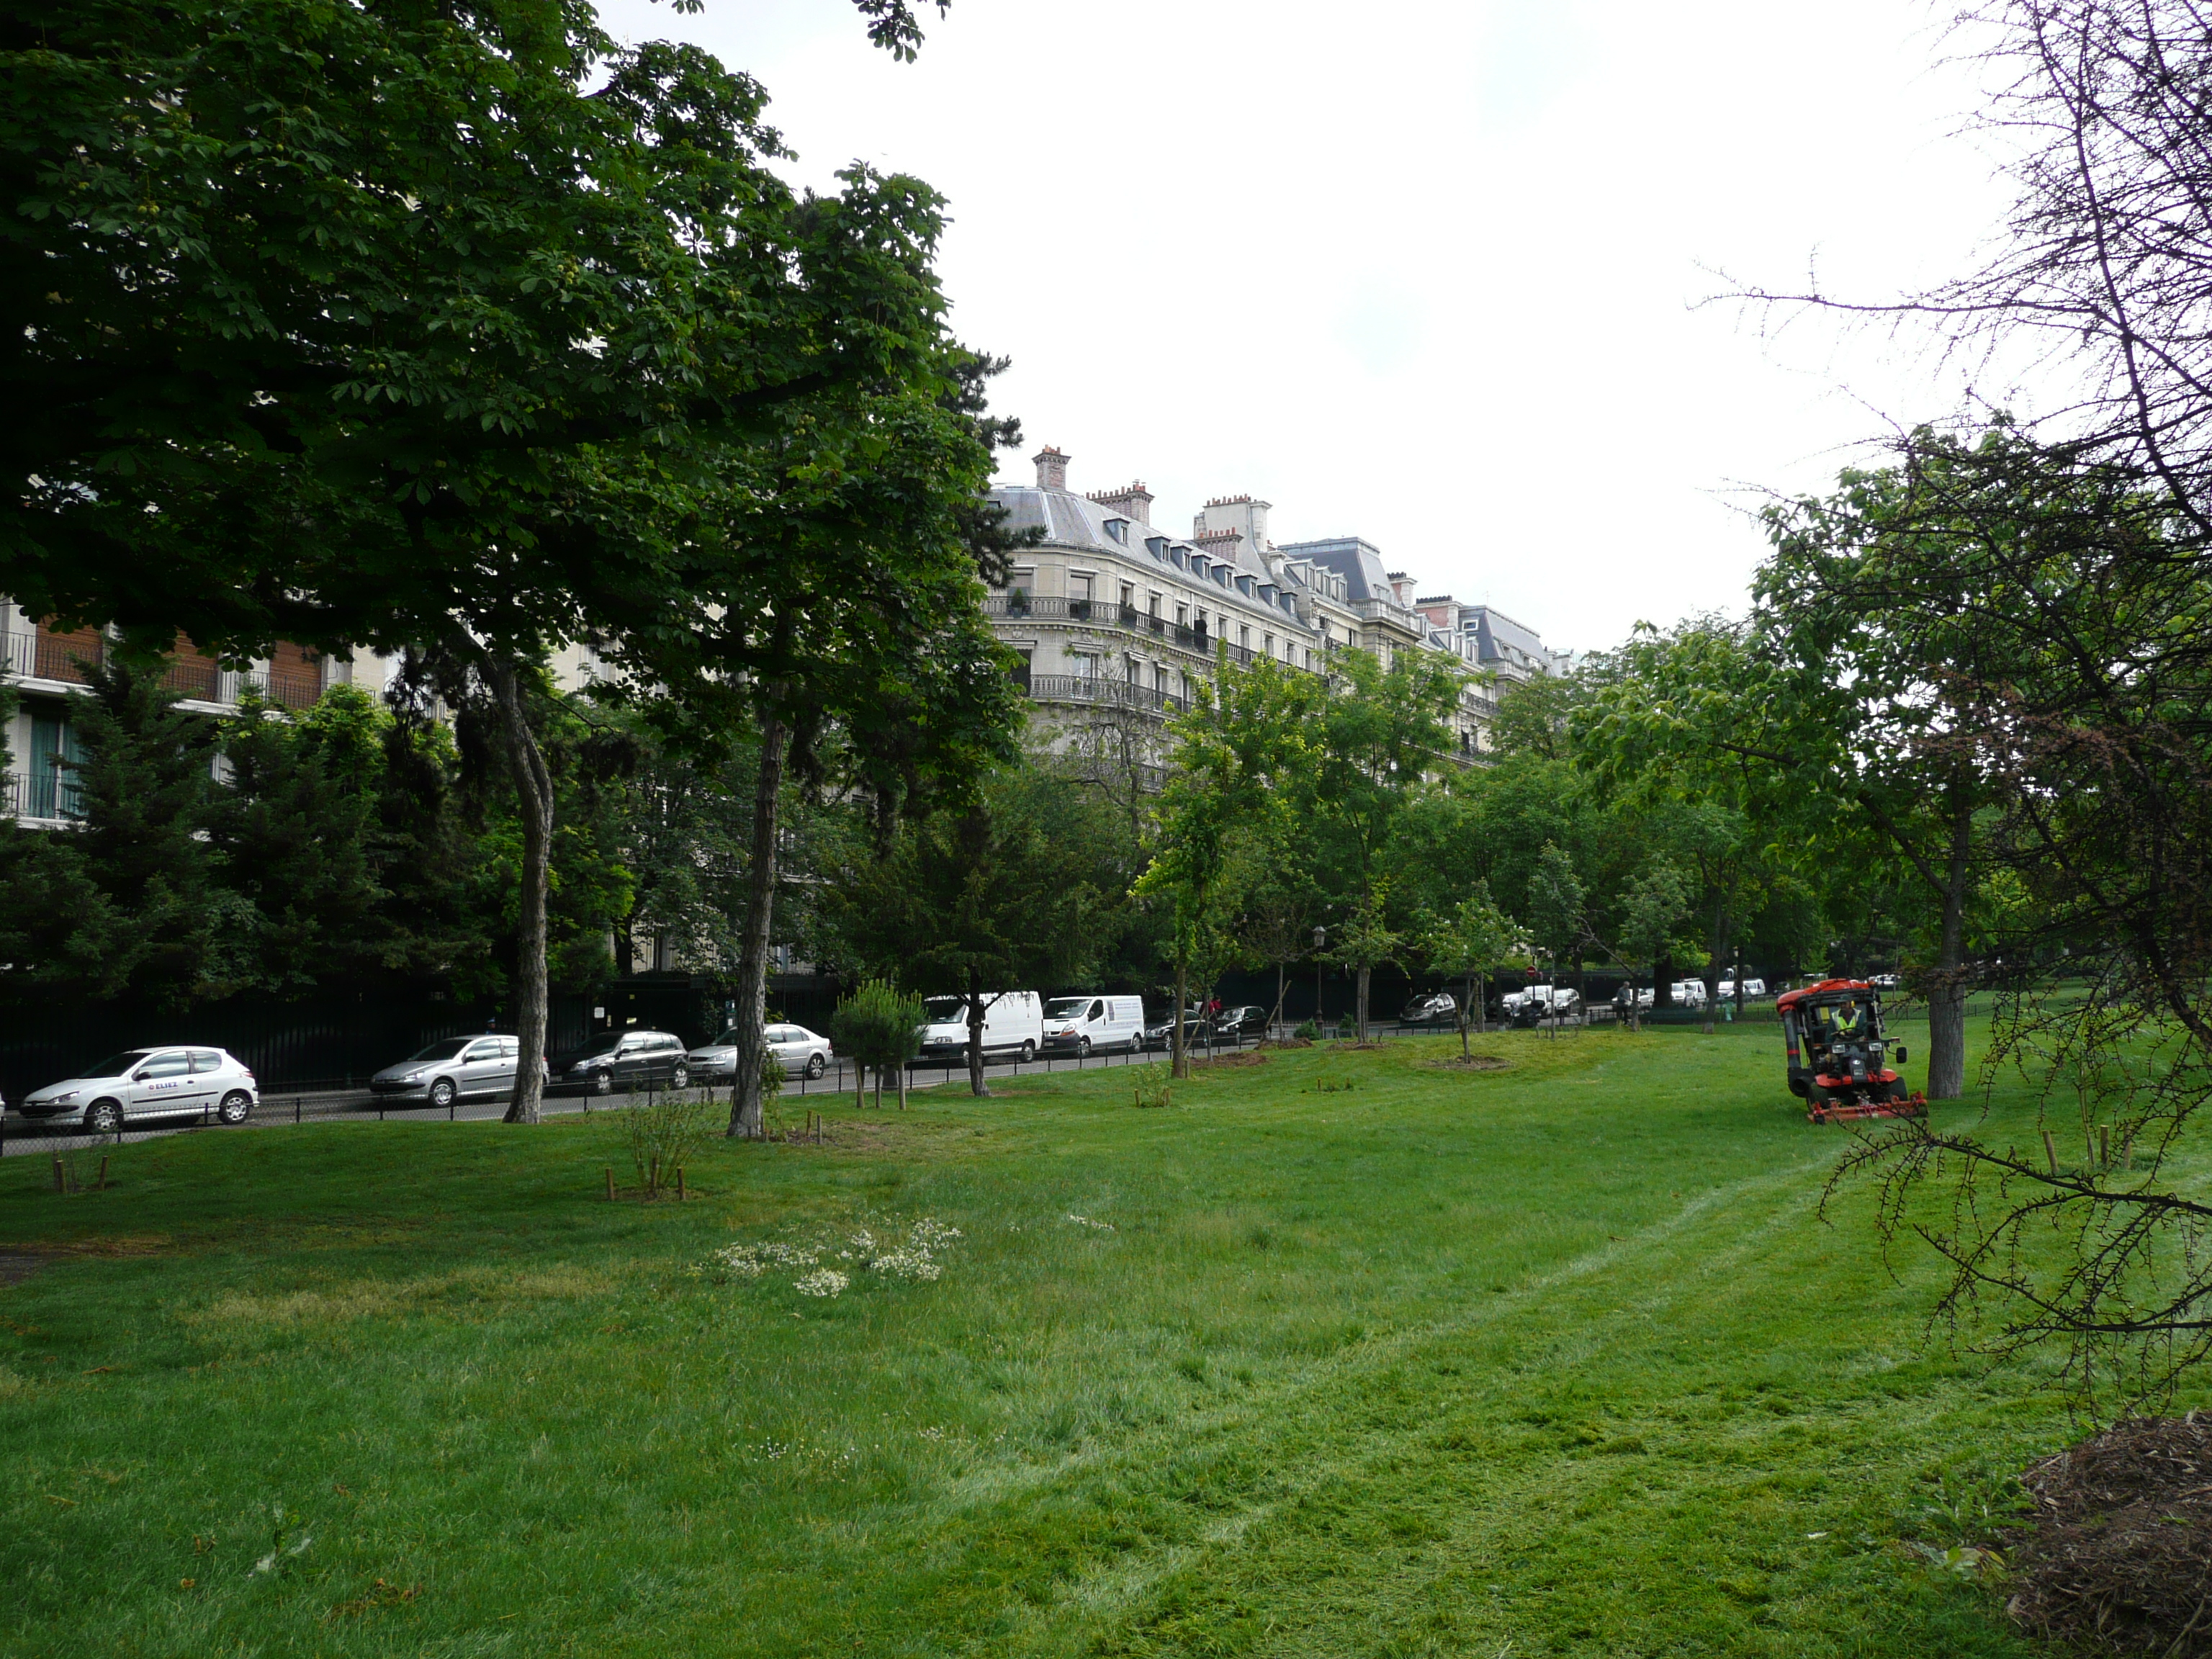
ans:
(1556, 999)
(800, 1050)
(141, 1083)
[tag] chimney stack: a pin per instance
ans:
(1131, 502)
(1052, 469)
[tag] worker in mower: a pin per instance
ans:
(1851, 1023)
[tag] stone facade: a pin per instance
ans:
(1114, 619)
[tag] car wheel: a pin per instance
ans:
(681, 1077)
(603, 1082)
(816, 1065)
(235, 1106)
(1029, 1052)
(1082, 1048)
(443, 1093)
(103, 1117)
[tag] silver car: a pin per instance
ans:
(801, 1051)
(148, 1082)
(455, 1068)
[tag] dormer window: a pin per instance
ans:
(1119, 530)
(1244, 586)
(1157, 546)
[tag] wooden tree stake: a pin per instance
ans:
(610, 1183)
(2050, 1151)
(680, 1183)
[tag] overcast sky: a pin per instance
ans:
(1418, 272)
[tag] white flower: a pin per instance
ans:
(828, 1281)
(1086, 1221)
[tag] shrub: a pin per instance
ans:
(1309, 1032)
(1151, 1085)
(666, 1132)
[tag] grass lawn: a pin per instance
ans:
(1554, 1358)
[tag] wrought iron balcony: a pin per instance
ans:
(1100, 692)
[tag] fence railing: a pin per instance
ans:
(19, 656)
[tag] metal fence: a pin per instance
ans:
(20, 1137)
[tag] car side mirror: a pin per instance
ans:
(1901, 1053)
(140, 1077)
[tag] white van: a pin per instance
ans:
(1013, 1022)
(1078, 1025)
(1689, 994)
(1751, 988)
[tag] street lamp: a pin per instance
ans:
(1321, 941)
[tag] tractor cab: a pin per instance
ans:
(1839, 1060)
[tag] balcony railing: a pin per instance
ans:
(201, 679)
(1099, 613)
(19, 655)
(51, 791)
(63, 657)
(1102, 692)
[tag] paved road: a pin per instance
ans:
(288, 1107)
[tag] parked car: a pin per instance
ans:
(1751, 988)
(1689, 992)
(1161, 1033)
(1633, 996)
(1435, 1008)
(1079, 1025)
(622, 1059)
(450, 1069)
(1886, 982)
(802, 1052)
(1013, 1022)
(1234, 1025)
(148, 1082)
(1552, 1000)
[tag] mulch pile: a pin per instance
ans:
(1472, 1063)
(2119, 1555)
(1237, 1057)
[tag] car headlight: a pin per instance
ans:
(62, 1099)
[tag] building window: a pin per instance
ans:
(1119, 530)
(1182, 616)
(1086, 665)
(1079, 585)
(1267, 644)
(1128, 597)
(1243, 636)
(54, 787)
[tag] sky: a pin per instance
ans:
(1439, 274)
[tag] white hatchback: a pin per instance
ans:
(148, 1082)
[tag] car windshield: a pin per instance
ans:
(115, 1065)
(605, 1045)
(727, 1040)
(1067, 1008)
(449, 1049)
(946, 1008)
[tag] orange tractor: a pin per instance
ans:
(1838, 1059)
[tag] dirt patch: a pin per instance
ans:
(1242, 1057)
(1286, 1042)
(19, 1262)
(1471, 1063)
(2119, 1554)
(16, 1265)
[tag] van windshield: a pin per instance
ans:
(1067, 1008)
(946, 1009)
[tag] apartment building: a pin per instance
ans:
(1114, 616)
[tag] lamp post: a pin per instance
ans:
(1321, 941)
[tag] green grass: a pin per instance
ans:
(1558, 1358)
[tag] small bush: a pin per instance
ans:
(1309, 1032)
(1151, 1085)
(666, 1132)
(774, 1074)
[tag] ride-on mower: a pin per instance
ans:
(1844, 1070)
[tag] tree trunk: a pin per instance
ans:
(977, 1086)
(1178, 1044)
(533, 789)
(746, 1116)
(1276, 1017)
(859, 1083)
(1721, 921)
(1365, 971)
(1947, 985)
(901, 1084)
